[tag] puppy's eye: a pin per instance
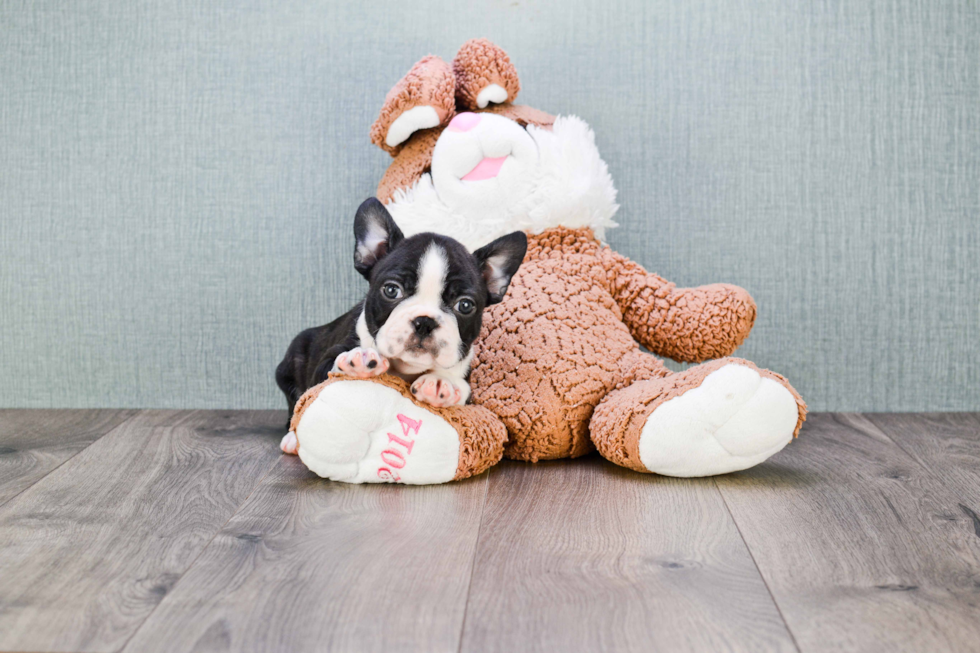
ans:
(465, 306)
(392, 291)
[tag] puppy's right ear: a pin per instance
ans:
(499, 262)
(375, 234)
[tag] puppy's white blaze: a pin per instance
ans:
(432, 277)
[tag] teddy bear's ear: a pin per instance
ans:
(484, 76)
(422, 99)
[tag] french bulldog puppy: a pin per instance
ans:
(419, 319)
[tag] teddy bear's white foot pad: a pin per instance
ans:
(735, 419)
(362, 432)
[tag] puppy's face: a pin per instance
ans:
(427, 294)
(425, 302)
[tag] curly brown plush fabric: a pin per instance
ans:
(304, 402)
(478, 64)
(687, 324)
(481, 435)
(555, 347)
(481, 439)
(563, 338)
(410, 163)
(430, 82)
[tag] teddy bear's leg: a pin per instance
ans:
(714, 418)
(372, 431)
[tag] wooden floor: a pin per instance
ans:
(187, 530)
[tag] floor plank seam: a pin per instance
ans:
(190, 566)
(476, 547)
(59, 465)
(758, 570)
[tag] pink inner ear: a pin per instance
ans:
(486, 169)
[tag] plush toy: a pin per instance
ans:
(558, 370)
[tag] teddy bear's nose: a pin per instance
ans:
(463, 122)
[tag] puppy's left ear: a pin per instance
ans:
(499, 262)
(375, 234)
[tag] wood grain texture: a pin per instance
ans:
(947, 444)
(88, 551)
(33, 442)
(862, 548)
(188, 531)
(312, 565)
(586, 556)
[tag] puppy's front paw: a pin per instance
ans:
(361, 363)
(439, 392)
(289, 444)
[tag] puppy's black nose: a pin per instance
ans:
(424, 325)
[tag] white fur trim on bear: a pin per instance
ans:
(735, 419)
(410, 122)
(494, 93)
(554, 178)
(362, 432)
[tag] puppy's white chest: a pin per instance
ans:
(406, 370)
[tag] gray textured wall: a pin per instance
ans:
(177, 179)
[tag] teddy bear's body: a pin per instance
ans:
(566, 346)
(566, 337)
(559, 362)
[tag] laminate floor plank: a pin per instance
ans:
(311, 565)
(862, 548)
(582, 555)
(89, 551)
(187, 530)
(948, 444)
(33, 442)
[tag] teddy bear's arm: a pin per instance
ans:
(689, 325)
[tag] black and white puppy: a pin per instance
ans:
(421, 315)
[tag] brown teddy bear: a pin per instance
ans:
(558, 370)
